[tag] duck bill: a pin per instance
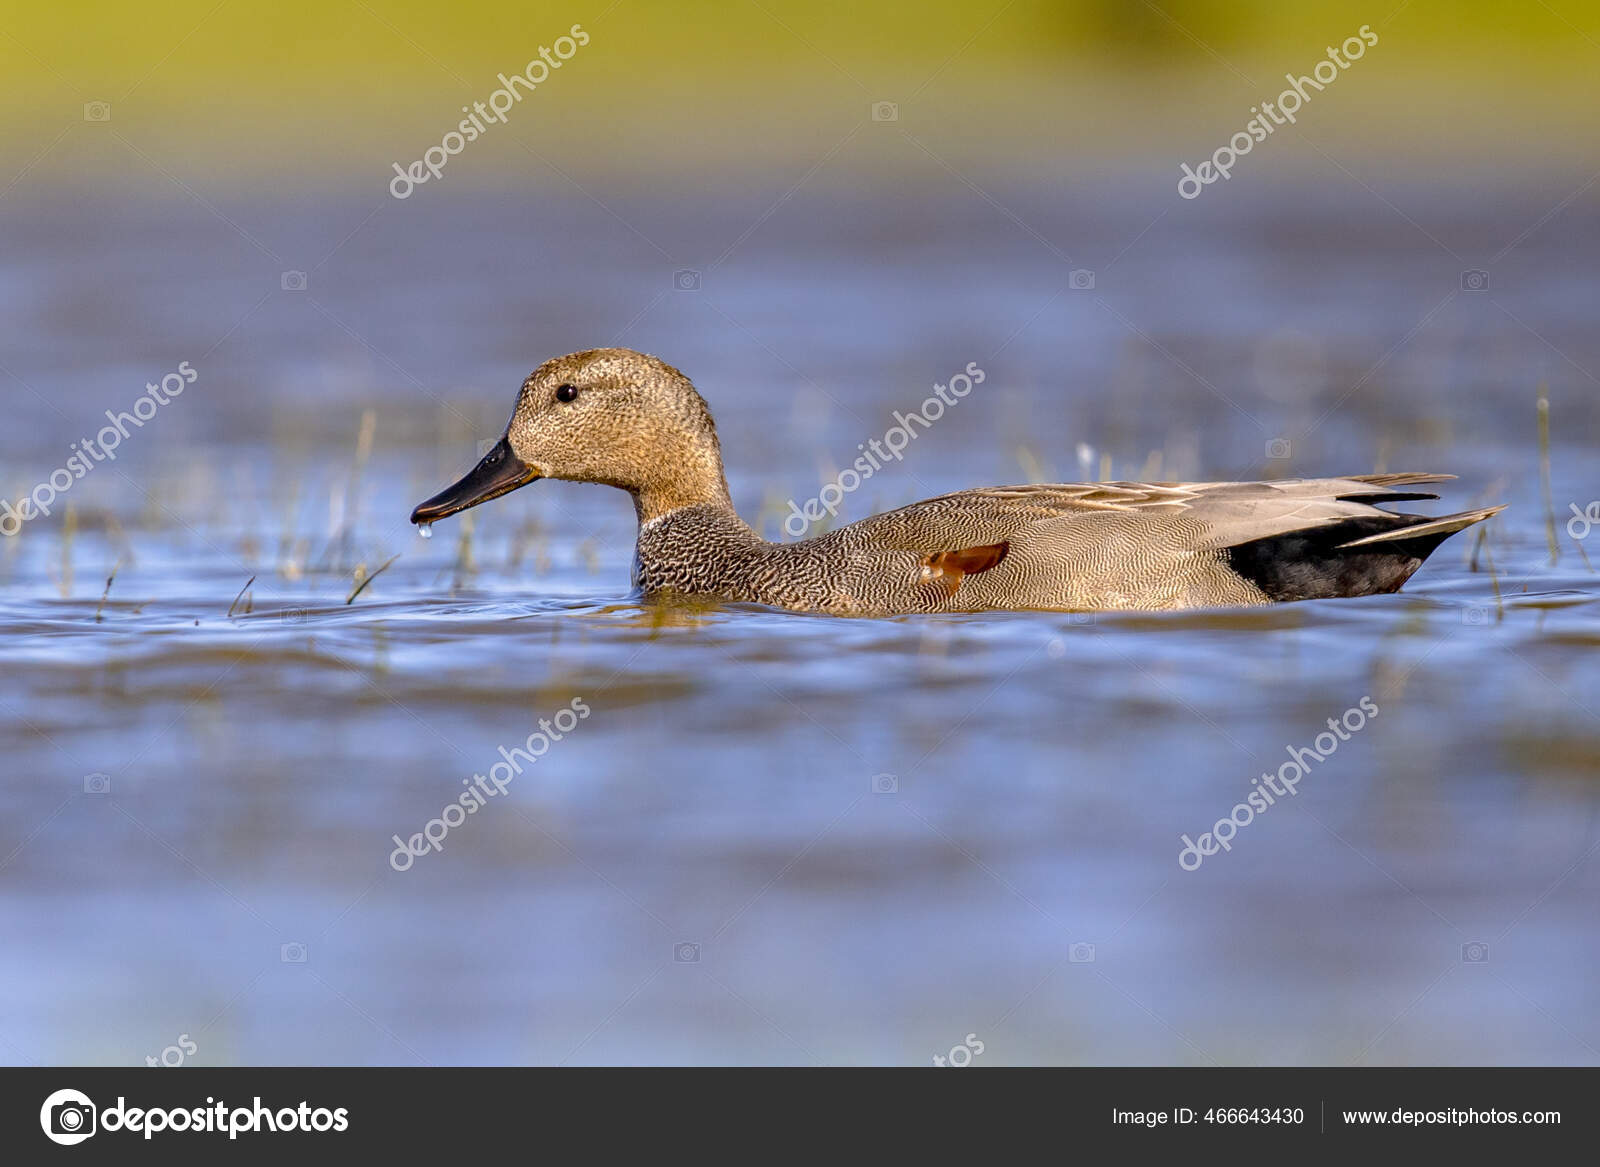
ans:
(500, 472)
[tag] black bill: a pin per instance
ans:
(500, 472)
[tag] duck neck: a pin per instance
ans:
(684, 475)
(658, 501)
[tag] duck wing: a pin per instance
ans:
(1233, 512)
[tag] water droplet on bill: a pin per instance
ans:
(425, 530)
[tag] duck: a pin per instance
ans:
(630, 420)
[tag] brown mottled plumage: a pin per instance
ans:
(631, 421)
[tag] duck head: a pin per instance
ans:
(610, 415)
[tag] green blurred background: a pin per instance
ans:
(340, 87)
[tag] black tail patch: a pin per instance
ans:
(1315, 564)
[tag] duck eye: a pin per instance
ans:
(566, 392)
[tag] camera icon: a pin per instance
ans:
(1475, 280)
(97, 111)
(1080, 617)
(686, 280)
(293, 952)
(686, 953)
(68, 1117)
(1081, 953)
(1080, 279)
(1278, 449)
(885, 784)
(885, 111)
(293, 281)
(1475, 616)
(1475, 952)
(294, 615)
(97, 784)
(72, 1118)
